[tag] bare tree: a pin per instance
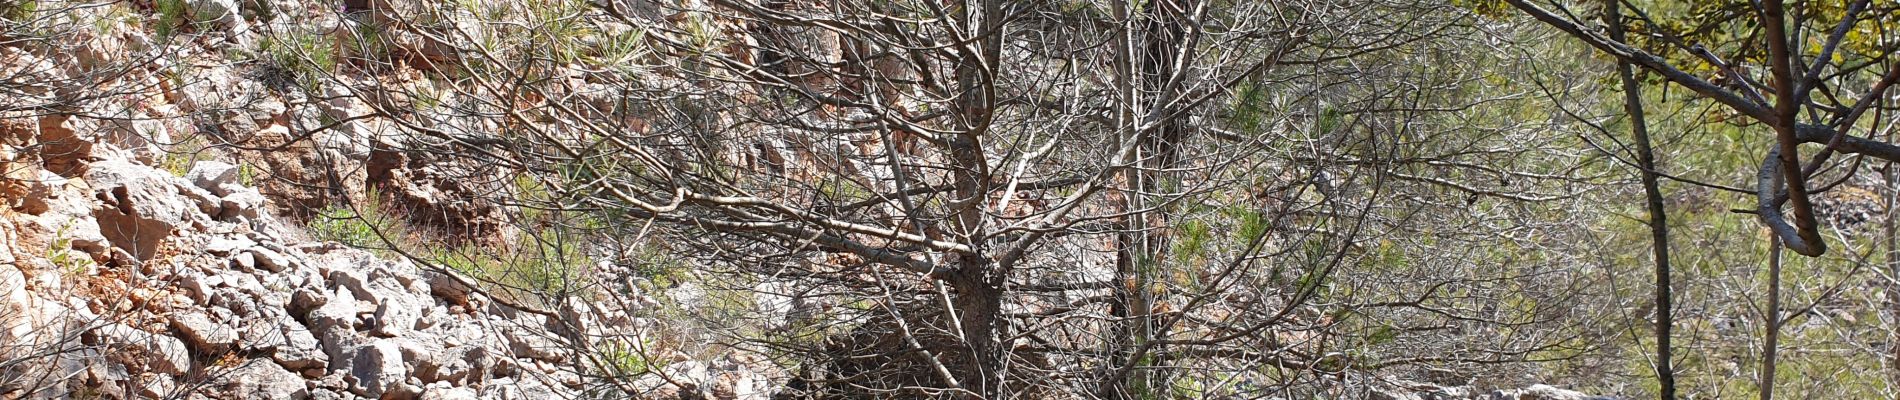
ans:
(1000, 199)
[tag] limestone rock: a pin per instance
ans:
(396, 316)
(294, 347)
(159, 353)
(377, 369)
(534, 345)
(218, 14)
(37, 190)
(269, 260)
(241, 204)
(140, 206)
(228, 245)
(62, 149)
(260, 379)
(215, 176)
(202, 333)
(1547, 392)
(448, 393)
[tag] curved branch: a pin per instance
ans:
(1768, 209)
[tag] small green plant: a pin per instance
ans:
(247, 175)
(556, 28)
(625, 360)
(306, 57)
(367, 42)
(171, 16)
(63, 257)
(365, 226)
(843, 190)
(18, 10)
(542, 263)
(113, 17)
(179, 156)
(622, 51)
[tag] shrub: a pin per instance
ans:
(367, 225)
(305, 58)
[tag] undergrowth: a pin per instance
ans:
(538, 264)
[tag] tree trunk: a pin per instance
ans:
(1891, 198)
(1143, 246)
(979, 282)
(1658, 216)
(979, 304)
(1771, 318)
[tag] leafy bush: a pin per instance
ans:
(367, 225)
(541, 263)
(171, 16)
(306, 58)
(16, 11)
(63, 257)
(623, 359)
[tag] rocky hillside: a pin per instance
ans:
(124, 281)
(135, 263)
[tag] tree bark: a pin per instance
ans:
(1143, 244)
(1774, 23)
(1891, 199)
(1658, 216)
(979, 283)
(1771, 318)
(979, 302)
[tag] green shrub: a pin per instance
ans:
(171, 16)
(63, 257)
(306, 57)
(366, 42)
(367, 225)
(623, 359)
(541, 264)
(18, 10)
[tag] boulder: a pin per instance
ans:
(158, 353)
(448, 393)
(218, 177)
(140, 206)
(292, 346)
(26, 319)
(305, 300)
(261, 379)
(377, 368)
(215, 14)
(534, 345)
(269, 260)
(1547, 392)
(138, 134)
(202, 333)
(334, 325)
(241, 204)
(396, 316)
(35, 191)
(62, 150)
(739, 385)
(448, 287)
(228, 245)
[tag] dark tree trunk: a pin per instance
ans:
(1658, 216)
(1143, 246)
(979, 282)
(979, 304)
